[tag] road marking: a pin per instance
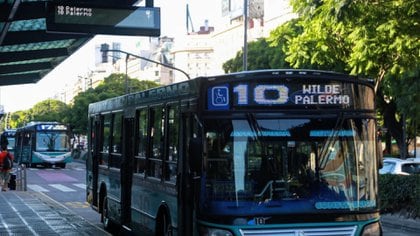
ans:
(82, 186)
(77, 204)
(37, 188)
(78, 169)
(62, 188)
(51, 176)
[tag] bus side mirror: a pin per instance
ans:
(379, 154)
(195, 152)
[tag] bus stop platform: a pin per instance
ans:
(34, 213)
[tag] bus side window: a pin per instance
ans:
(26, 139)
(173, 143)
(115, 156)
(156, 137)
(106, 135)
(141, 142)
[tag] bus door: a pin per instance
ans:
(190, 129)
(93, 161)
(127, 168)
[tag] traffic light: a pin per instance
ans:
(104, 50)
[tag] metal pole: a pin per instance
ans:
(404, 137)
(245, 51)
(146, 59)
(126, 73)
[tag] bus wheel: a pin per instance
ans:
(108, 225)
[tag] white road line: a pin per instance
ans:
(62, 188)
(78, 169)
(37, 188)
(82, 186)
(22, 218)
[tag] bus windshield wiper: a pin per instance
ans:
(253, 124)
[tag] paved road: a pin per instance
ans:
(66, 186)
(390, 231)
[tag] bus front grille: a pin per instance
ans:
(336, 231)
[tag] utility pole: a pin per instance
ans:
(126, 73)
(245, 51)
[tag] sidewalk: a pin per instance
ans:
(34, 213)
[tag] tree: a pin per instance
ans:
(20, 118)
(78, 118)
(49, 110)
(112, 86)
(378, 39)
(76, 115)
(260, 56)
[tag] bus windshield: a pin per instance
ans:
(265, 166)
(52, 141)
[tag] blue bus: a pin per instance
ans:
(270, 152)
(43, 143)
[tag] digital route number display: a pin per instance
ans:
(50, 127)
(87, 18)
(242, 95)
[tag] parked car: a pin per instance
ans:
(400, 167)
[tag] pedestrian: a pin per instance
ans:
(4, 172)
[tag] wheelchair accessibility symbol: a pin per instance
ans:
(218, 98)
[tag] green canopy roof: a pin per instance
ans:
(27, 51)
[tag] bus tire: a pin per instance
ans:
(164, 227)
(108, 224)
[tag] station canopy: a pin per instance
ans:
(27, 51)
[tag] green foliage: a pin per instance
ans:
(49, 110)
(20, 118)
(260, 56)
(400, 193)
(112, 86)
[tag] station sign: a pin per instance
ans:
(88, 18)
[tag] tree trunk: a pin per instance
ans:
(394, 126)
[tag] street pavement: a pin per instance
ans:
(398, 225)
(34, 213)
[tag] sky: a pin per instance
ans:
(173, 24)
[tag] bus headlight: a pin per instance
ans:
(205, 231)
(373, 229)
